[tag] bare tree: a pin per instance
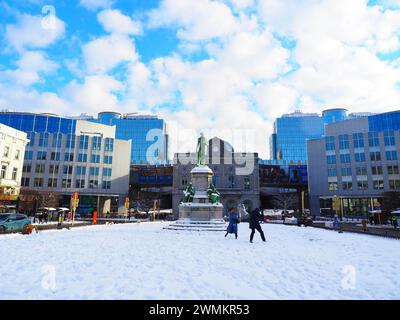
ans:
(285, 200)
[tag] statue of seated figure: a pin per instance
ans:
(213, 194)
(188, 193)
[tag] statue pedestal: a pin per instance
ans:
(200, 214)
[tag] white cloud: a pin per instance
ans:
(96, 4)
(29, 33)
(94, 94)
(30, 67)
(105, 53)
(114, 21)
(196, 20)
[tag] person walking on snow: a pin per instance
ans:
(255, 217)
(233, 223)
(394, 221)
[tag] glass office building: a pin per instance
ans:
(147, 132)
(291, 131)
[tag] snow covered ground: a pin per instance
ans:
(143, 261)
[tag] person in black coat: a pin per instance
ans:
(255, 217)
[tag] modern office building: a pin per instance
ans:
(67, 155)
(12, 150)
(147, 132)
(236, 175)
(354, 163)
(291, 131)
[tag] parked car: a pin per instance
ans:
(13, 222)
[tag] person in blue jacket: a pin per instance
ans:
(233, 223)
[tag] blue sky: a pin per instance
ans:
(203, 65)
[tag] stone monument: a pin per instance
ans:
(200, 208)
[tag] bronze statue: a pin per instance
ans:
(213, 194)
(188, 193)
(201, 150)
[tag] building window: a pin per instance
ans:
(67, 169)
(359, 157)
(95, 158)
(40, 168)
(231, 181)
(66, 183)
(378, 184)
(375, 156)
(53, 169)
(343, 141)
(17, 154)
(332, 172)
(96, 143)
(38, 182)
(28, 155)
(55, 156)
(82, 157)
(106, 185)
(109, 145)
(70, 144)
(3, 171)
(6, 152)
(81, 171)
(376, 170)
(358, 140)
(69, 157)
(14, 174)
(394, 184)
(83, 142)
(93, 184)
(388, 137)
(393, 170)
(215, 181)
(94, 171)
(107, 172)
(331, 159)
(361, 171)
(330, 143)
(246, 183)
(373, 139)
(52, 183)
(25, 181)
(80, 183)
(57, 140)
(345, 158)
(43, 139)
(26, 168)
(362, 185)
(41, 155)
(347, 185)
(184, 181)
(332, 186)
(346, 172)
(391, 155)
(107, 159)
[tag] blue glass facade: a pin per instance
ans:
(292, 133)
(334, 115)
(137, 129)
(384, 121)
(29, 122)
